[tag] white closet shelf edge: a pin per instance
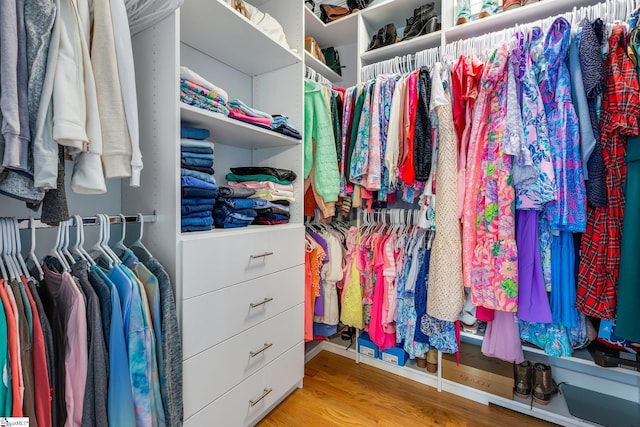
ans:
(337, 33)
(321, 68)
(225, 130)
(406, 47)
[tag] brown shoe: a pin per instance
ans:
(522, 373)
(461, 20)
(543, 385)
(432, 361)
(483, 14)
(511, 4)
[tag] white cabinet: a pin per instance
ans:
(239, 291)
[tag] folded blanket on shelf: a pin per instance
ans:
(187, 74)
(261, 185)
(282, 174)
(238, 115)
(236, 104)
(202, 91)
(194, 133)
(188, 143)
(257, 177)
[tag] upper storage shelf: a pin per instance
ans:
(337, 33)
(406, 47)
(225, 130)
(321, 68)
(529, 13)
(231, 38)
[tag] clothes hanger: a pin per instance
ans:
(97, 248)
(54, 252)
(107, 238)
(65, 243)
(120, 243)
(21, 261)
(144, 252)
(32, 251)
(13, 247)
(3, 267)
(6, 249)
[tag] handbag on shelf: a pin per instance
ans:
(311, 46)
(332, 59)
(330, 12)
(358, 4)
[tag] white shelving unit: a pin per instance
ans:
(321, 68)
(238, 291)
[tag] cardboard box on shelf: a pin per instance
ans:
(479, 371)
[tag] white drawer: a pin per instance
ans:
(212, 318)
(222, 259)
(243, 405)
(210, 374)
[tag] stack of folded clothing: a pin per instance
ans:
(240, 111)
(281, 125)
(234, 209)
(273, 191)
(196, 91)
(199, 189)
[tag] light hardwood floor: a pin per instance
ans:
(338, 392)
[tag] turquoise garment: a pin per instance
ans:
(5, 384)
(137, 344)
(120, 406)
(152, 290)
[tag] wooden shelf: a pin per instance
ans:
(500, 21)
(233, 40)
(337, 33)
(406, 47)
(225, 130)
(321, 68)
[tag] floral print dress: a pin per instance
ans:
(494, 274)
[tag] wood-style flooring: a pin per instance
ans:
(339, 392)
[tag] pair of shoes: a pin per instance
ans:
(535, 380)
(385, 36)
(513, 4)
(423, 21)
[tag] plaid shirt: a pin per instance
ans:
(600, 247)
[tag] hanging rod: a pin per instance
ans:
(25, 223)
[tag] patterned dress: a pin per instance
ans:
(494, 275)
(568, 211)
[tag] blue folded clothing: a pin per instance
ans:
(202, 214)
(194, 133)
(237, 202)
(190, 155)
(195, 161)
(208, 171)
(190, 209)
(201, 193)
(200, 175)
(273, 216)
(223, 210)
(201, 150)
(189, 201)
(231, 225)
(186, 221)
(190, 181)
(236, 191)
(279, 120)
(191, 228)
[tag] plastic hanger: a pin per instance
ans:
(65, 244)
(13, 257)
(80, 225)
(6, 248)
(97, 248)
(3, 268)
(107, 238)
(120, 243)
(32, 251)
(21, 260)
(138, 243)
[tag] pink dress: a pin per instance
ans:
(494, 264)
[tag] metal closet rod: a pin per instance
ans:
(25, 223)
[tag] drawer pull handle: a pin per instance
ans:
(262, 255)
(258, 304)
(262, 396)
(257, 352)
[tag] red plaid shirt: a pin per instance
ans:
(600, 247)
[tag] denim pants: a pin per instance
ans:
(195, 161)
(190, 181)
(194, 133)
(199, 193)
(189, 209)
(198, 150)
(222, 211)
(187, 221)
(237, 202)
(190, 201)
